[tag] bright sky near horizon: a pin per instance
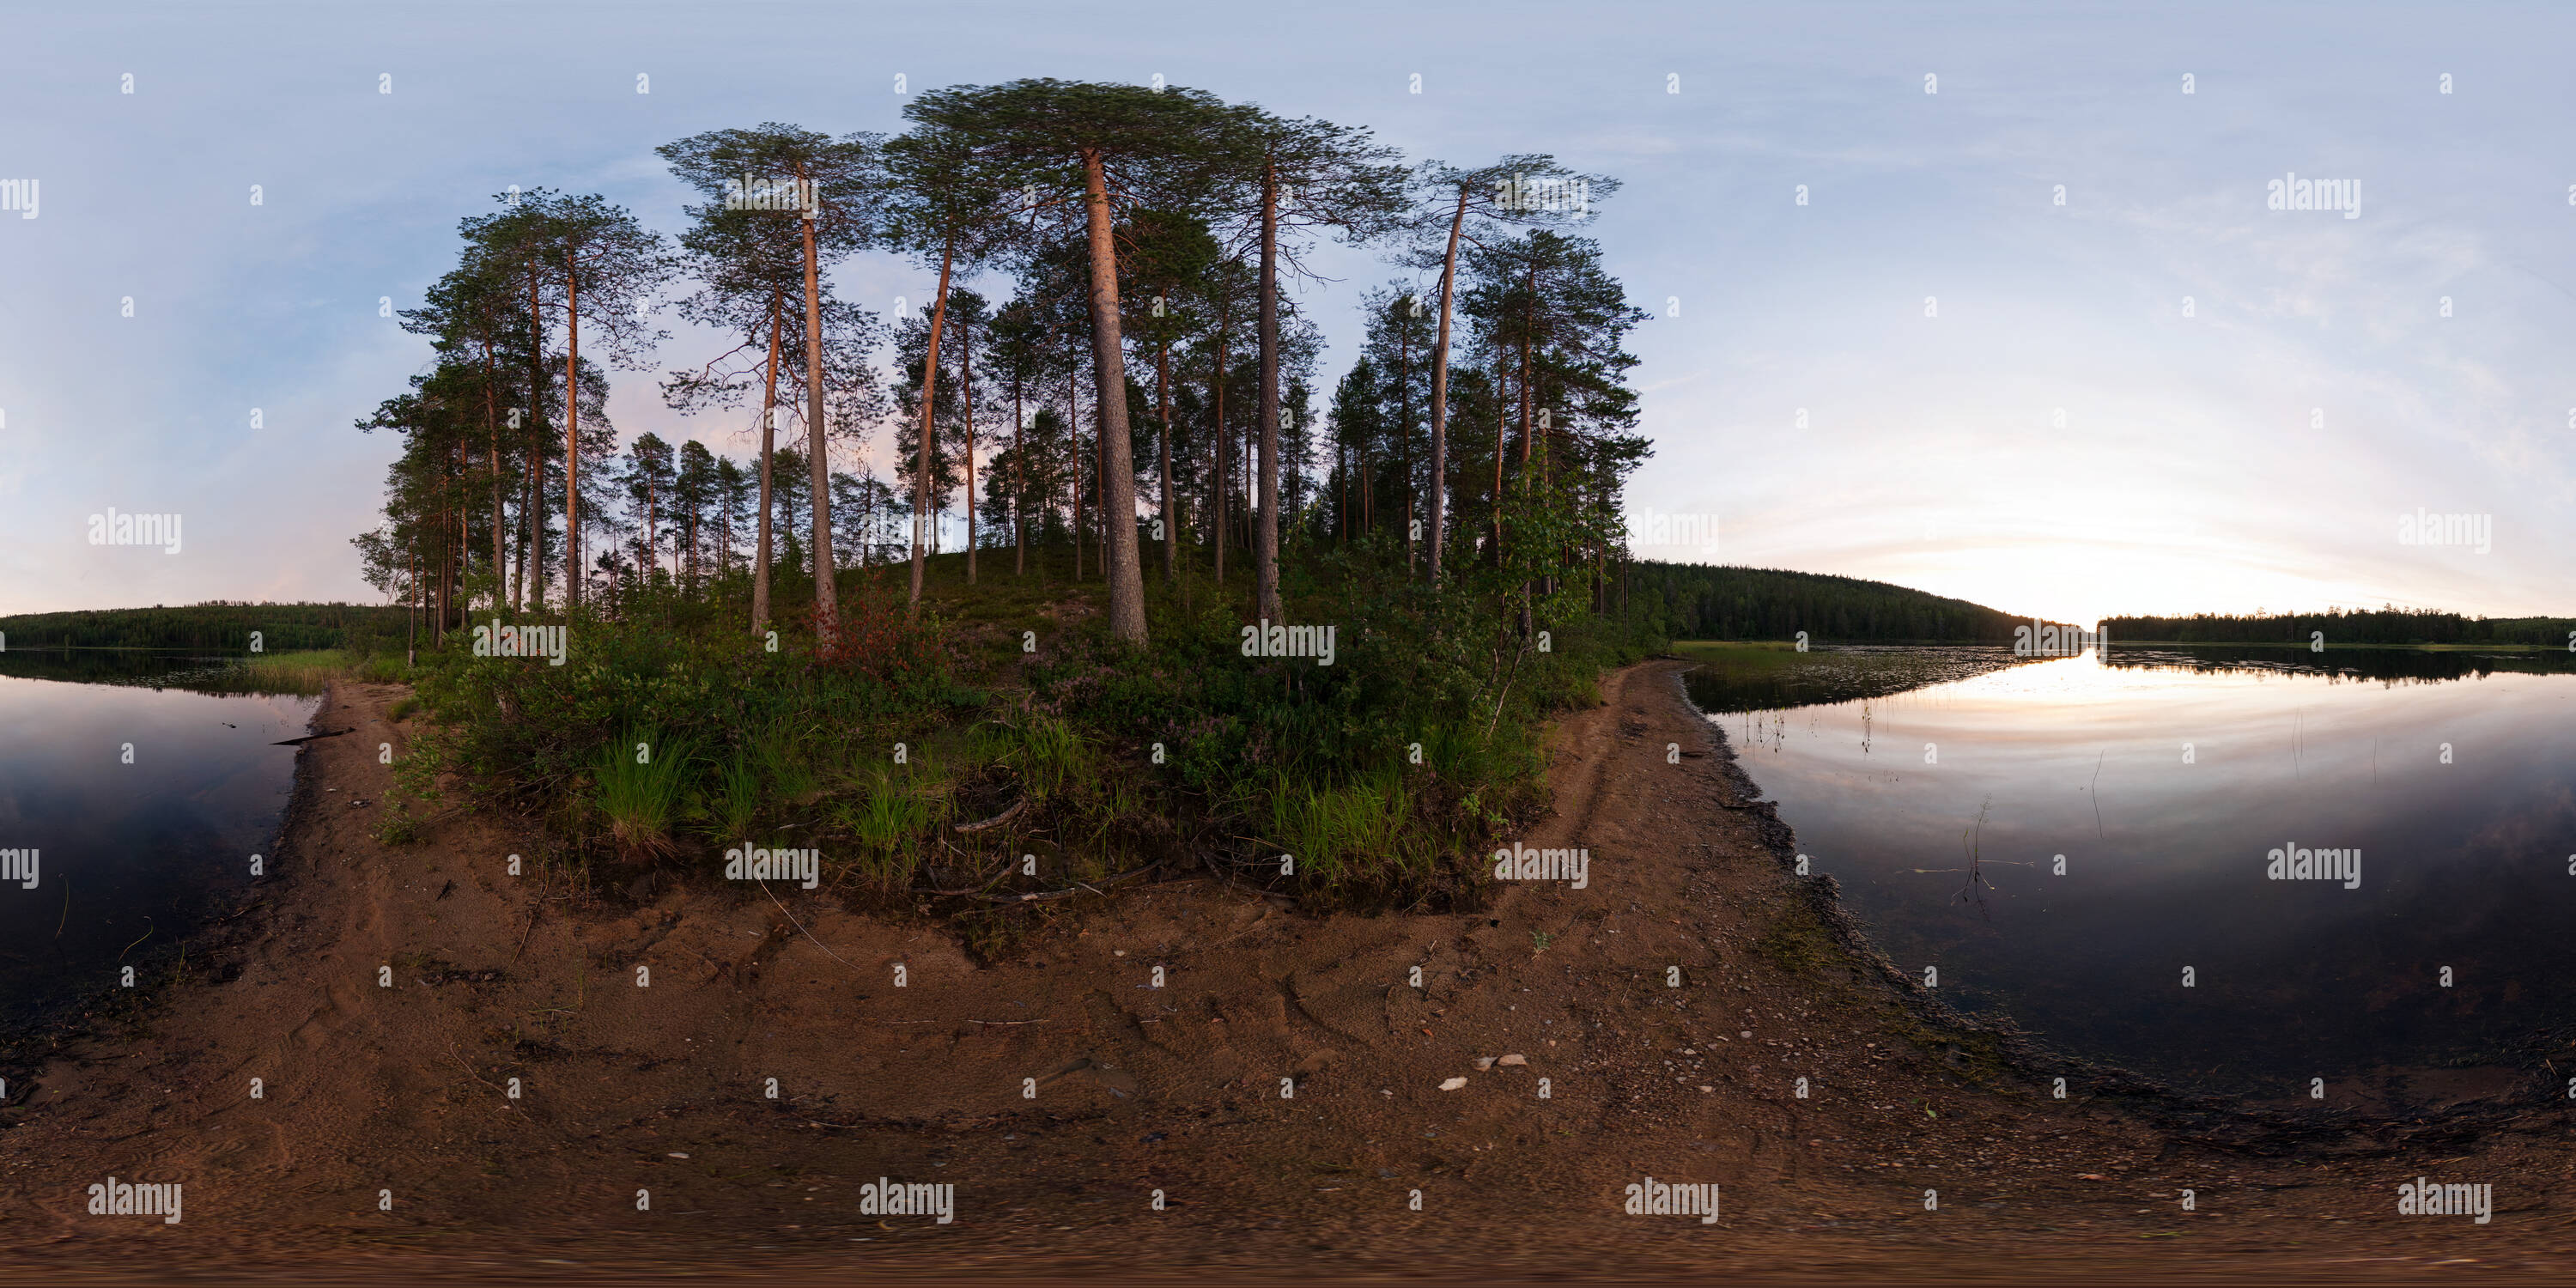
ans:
(1965, 363)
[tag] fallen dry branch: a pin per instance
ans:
(1068, 892)
(964, 829)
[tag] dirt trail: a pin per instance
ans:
(1281, 1087)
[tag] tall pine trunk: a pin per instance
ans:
(1529, 326)
(1223, 475)
(1265, 533)
(572, 436)
(1073, 461)
(1118, 486)
(492, 429)
(1019, 482)
(1440, 391)
(1100, 488)
(531, 591)
(1404, 436)
(768, 432)
(921, 505)
(827, 599)
(464, 538)
(1163, 398)
(1502, 428)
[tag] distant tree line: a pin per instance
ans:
(1700, 601)
(215, 625)
(2343, 626)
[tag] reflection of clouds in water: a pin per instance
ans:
(2464, 864)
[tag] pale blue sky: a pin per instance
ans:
(2189, 473)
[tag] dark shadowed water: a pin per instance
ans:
(143, 804)
(2164, 780)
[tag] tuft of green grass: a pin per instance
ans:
(1053, 757)
(737, 795)
(783, 761)
(639, 791)
(888, 814)
(1336, 829)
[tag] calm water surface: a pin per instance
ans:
(129, 855)
(2164, 779)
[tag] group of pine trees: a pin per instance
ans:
(1145, 376)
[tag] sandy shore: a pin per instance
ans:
(388, 999)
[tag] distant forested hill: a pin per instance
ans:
(1698, 601)
(2380, 626)
(217, 625)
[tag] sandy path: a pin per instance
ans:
(371, 1088)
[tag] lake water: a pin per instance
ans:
(2165, 779)
(130, 856)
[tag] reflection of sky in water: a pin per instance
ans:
(2463, 865)
(127, 849)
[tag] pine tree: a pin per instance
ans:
(1281, 177)
(1464, 207)
(1096, 149)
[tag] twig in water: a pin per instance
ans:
(2096, 790)
(1976, 872)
